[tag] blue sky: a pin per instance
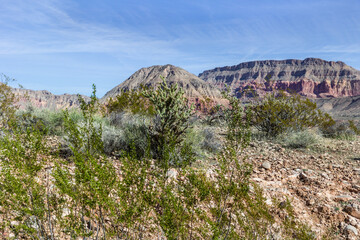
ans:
(64, 46)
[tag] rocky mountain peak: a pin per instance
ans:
(193, 86)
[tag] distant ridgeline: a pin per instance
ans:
(312, 77)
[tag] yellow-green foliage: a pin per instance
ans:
(277, 113)
(132, 101)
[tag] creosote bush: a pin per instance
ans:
(132, 101)
(277, 113)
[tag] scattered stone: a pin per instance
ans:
(266, 165)
(350, 229)
(172, 173)
(352, 211)
(343, 198)
(352, 221)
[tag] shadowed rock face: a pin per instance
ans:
(45, 99)
(194, 87)
(311, 77)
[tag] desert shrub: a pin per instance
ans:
(126, 131)
(132, 101)
(301, 139)
(112, 138)
(171, 120)
(354, 127)
(238, 123)
(277, 113)
(27, 204)
(7, 101)
(89, 184)
(211, 141)
(341, 130)
(52, 119)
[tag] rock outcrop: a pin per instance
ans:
(194, 87)
(312, 77)
(45, 99)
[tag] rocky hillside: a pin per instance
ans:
(311, 77)
(45, 99)
(195, 88)
(341, 108)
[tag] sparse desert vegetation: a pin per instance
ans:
(127, 173)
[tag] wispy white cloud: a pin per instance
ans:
(49, 29)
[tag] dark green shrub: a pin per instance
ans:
(238, 122)
(353, 127)
(277, 113)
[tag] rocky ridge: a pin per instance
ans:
(45, 99)
(311, 77)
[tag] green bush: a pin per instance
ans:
(277, 113)
(171, 120)
(132, 101)
(26, 203)
(89, 184)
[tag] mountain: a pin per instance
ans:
(45, 99)
(311, 77)
(194, 87)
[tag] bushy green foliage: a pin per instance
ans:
(277, 113)
(93, 178)
(27, 204)
(353, 127)
(171, 121)
(132, 101)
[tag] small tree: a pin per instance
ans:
(171, 121)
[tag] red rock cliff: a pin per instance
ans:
(311, 77)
